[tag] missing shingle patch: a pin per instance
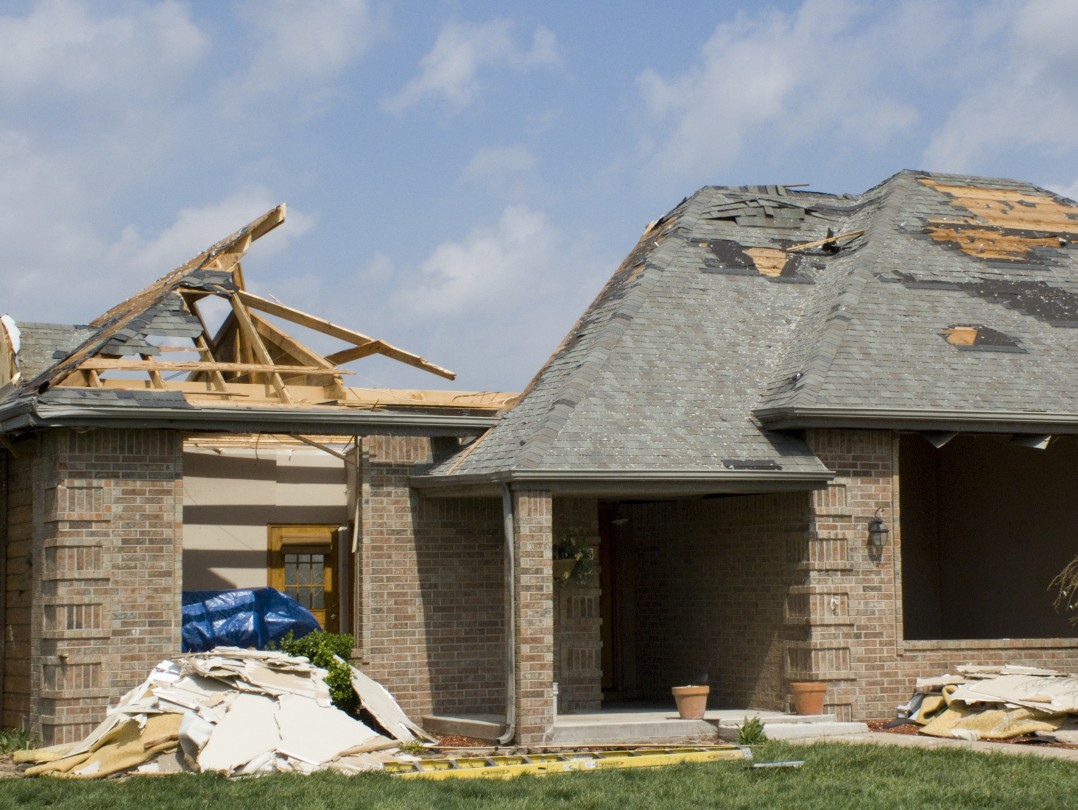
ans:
(728, 257)
(1005, 223)
(980, 338)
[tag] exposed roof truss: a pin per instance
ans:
(198, 330)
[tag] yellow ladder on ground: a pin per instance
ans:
(506, 767)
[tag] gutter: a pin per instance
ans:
(918, 419)
(614, 481)
(28, 414)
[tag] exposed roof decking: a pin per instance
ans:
(888, 348)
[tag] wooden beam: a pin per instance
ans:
(255, 344)
(836, 238)
(151, 366)
(323, 448)
(155, 373)
(6, 442)
(288, 344)
(355, 353)
(340, 332)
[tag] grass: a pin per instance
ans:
(835, 776)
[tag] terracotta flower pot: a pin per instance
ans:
(691, 701)
(808, 696)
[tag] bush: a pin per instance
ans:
(331, 652)
(16, 739)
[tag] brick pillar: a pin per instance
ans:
(107, 552)
(534, 638)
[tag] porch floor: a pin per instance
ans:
(651, 724)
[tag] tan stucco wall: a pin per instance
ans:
(231, 495)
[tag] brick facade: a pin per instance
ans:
(534, 638)
(106, 557)
(577, 620)
(430, 606)
(852, 601)
(17, 531)
(710, 581)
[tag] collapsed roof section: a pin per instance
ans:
(161, 352)
(930, 302)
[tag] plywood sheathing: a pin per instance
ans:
(1004, 223)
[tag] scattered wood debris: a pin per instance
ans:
(237, 712)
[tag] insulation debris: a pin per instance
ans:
(236, 712)
(994, 703)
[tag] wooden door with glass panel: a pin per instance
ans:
(302, 563)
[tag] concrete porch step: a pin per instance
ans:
(569, 730)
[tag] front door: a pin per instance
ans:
(302, 563)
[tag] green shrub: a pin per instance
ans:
(16, 739)
(330, 651)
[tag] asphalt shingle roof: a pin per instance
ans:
(711, 325)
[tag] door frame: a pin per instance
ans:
(325, 536)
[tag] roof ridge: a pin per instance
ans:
(826, 343)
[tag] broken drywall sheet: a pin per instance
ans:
(991, 703)
(235, 712)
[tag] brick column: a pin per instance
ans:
(107, 560)
(534, 638)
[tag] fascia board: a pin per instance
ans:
(916, 419)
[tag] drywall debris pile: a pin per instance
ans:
(996, 703)
(236, 712)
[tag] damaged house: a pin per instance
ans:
(802, 437)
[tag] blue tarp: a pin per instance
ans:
(247, 617)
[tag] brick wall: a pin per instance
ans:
(851, 603)
(577, 621)
(430, 577)
(17, 529)
(534, 640)
(107, 545)
(710, 585)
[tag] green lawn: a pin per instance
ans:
(835, 776)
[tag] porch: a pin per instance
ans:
(650, 723)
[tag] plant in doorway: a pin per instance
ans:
(574, 559)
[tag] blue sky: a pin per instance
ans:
(462, 177)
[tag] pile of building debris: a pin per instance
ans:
(236, 712)
(996, 703)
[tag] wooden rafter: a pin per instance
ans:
(254, 343)
(292, 348)
(341, 333)
(205, 351)
(151, 366)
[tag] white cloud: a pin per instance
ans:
(1022, 96)
(195, 229)
(69, 47)
(502, 169)
(451, 68)
(492, 264)
(788, 78)
(298, 42)
(1070, 191)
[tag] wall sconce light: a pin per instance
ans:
(877, 531)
